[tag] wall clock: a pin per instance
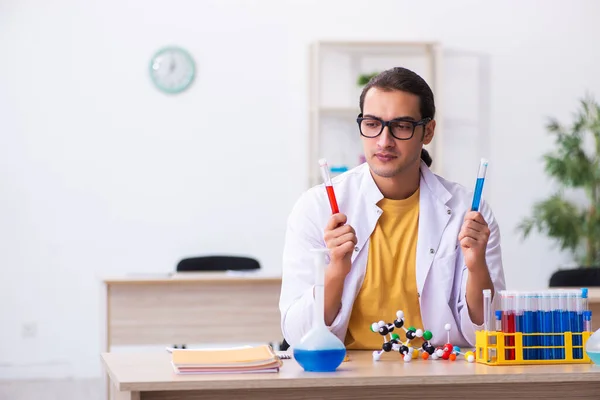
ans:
(172, 69)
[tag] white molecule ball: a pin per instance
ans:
(411, 350)
(447, 327)
(407, 357)
(381, 323)
(434, 356)
(439, 352)
(419, 333)
(471, 358)
(400, 314)
(374, 326)
(376, 356)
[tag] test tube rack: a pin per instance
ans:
(496, 348)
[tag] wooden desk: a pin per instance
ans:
(192, 308)
(150, 376)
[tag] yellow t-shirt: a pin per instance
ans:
(390, 279)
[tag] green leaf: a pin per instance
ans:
(558, 218)
(363, 79)
(572, 169)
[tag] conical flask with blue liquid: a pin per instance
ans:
(592, 347)
(319, 350)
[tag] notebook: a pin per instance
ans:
(249, 359)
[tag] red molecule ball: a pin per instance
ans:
(446, 355)
(448, 347)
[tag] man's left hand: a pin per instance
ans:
(473, 238)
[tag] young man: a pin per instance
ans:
(405, 239)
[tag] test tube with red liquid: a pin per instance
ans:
(328, 186)
(508, 322)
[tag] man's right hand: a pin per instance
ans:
(340, 240)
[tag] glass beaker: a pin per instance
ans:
(319, 350)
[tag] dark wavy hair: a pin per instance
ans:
(403, 79)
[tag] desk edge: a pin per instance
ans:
(337, 381)
(112, 377)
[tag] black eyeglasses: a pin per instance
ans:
(400, 128)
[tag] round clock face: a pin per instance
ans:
(172, 70)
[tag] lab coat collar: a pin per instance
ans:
(369, 187)
(434, 185)
(366, 210)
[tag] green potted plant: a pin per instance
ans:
(363, 79)
(575, 165)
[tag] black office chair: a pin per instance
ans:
(216, 263)
(576, 277)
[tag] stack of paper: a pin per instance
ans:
(234, 360)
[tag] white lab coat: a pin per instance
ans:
(440, 269)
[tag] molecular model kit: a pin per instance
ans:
(427, 350)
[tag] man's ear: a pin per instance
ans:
(429, 132)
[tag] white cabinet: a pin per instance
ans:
(334, 95)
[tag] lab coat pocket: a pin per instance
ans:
(442, 271)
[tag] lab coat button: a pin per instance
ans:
(449, 211)
(431, 251)
(356, 248)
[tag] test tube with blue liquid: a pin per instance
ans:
(563, 316)
(576, 317)
(585, 310)
(573, 305)
(542, 327)
(555, 339)
(547, 326)
(479, 184)
(529, 326)
(572, 313)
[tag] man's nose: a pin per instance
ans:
(385, 139)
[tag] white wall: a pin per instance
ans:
(103, 175)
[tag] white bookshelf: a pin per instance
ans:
(334, 94)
